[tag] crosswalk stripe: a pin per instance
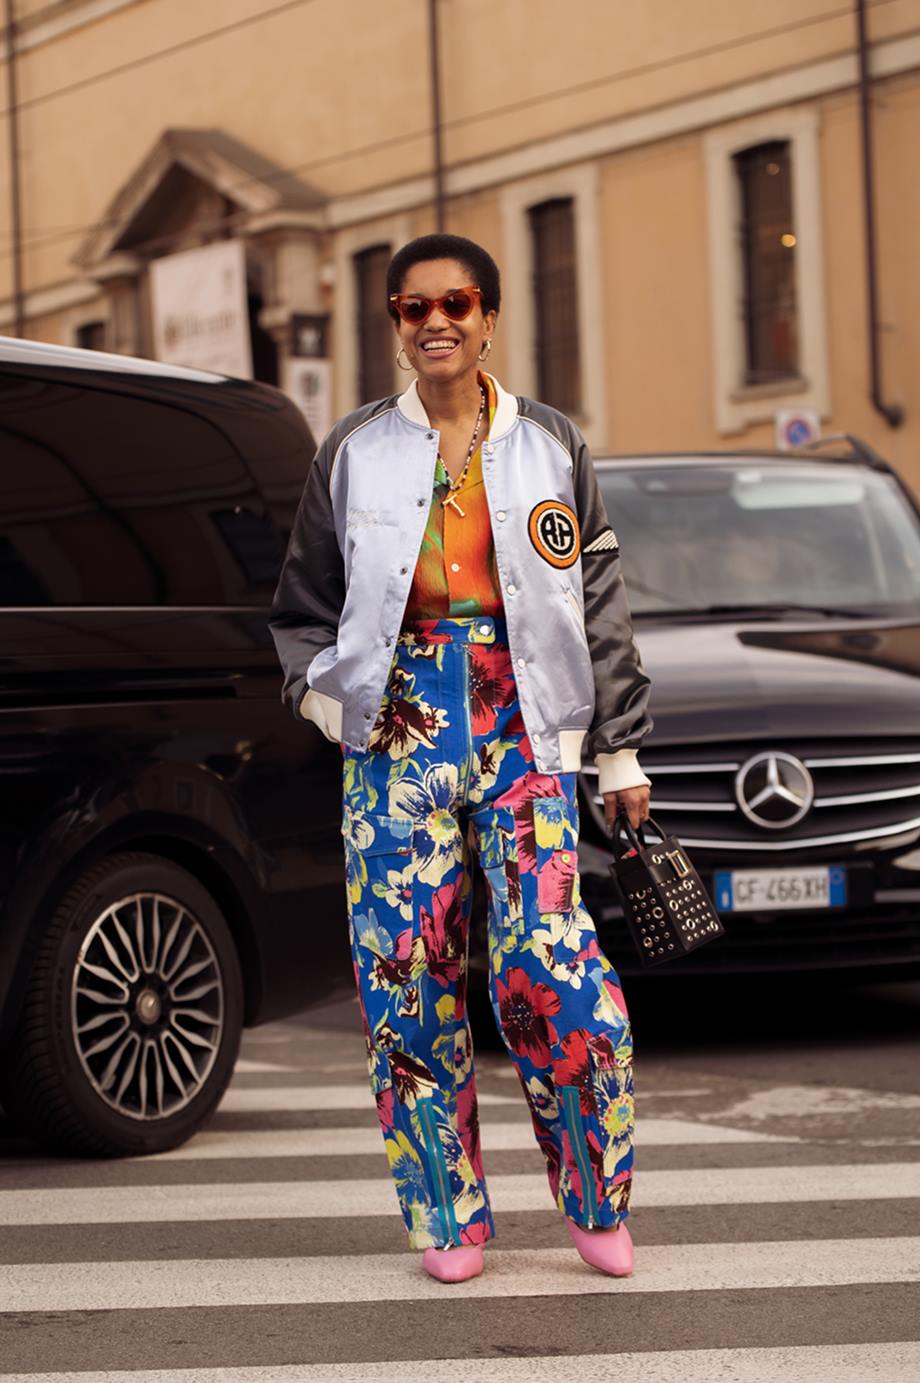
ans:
(398, 1277)
(500, 1137)
(271, 1099)
(886, 1363)
(670, 1267)
(363, 1196)
(777, 1100)
(246, 1066)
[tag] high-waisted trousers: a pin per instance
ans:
(449, 769)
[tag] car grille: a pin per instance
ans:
(866, 790)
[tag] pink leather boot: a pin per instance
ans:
(454, 1264)
(609, 1250)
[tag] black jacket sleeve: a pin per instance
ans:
(621, 717)
(310, 594)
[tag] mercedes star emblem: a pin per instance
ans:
(774, 790)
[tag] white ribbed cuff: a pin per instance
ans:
(620, 770)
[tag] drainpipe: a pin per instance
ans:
(893, 413)
(16, 224)
(435, 69)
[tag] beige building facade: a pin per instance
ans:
(674, 192)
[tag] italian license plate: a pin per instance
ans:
(763, 890)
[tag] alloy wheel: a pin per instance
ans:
(147, 1006)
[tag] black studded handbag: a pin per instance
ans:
(667, 910)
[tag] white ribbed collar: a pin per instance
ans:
(506, 408)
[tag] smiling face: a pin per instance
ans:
(439, 349)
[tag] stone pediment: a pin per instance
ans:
(189, 181)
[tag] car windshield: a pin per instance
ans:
(765, 537)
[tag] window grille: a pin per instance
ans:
(377, 342)
(555, 289)
(768, 249)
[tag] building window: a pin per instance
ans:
(574, 330)
(262, 345)
(555, 295)
(768, 268)
(91, 336)
(376, 341)
(769, 329)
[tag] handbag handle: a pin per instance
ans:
(634, 838)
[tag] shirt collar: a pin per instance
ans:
(506, 411)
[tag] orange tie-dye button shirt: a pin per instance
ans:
(455, 575)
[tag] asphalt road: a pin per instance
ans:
(777, 1219)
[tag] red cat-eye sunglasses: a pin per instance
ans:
(415, 308)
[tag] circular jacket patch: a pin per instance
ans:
(553, 529)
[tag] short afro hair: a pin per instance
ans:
(477, 261)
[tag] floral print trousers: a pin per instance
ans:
(448, 769)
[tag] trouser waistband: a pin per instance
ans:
(470, 629)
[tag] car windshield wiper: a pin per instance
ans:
(768, 610)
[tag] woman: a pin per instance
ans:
(451, 611)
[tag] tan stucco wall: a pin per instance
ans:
(896, 129)
(656, 297)
(339, 92)
(577, 64)
(657, 313)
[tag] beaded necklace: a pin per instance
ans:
(457, 485)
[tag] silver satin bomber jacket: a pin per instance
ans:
(350, 561)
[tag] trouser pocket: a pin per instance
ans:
(555, 832)
(496, 846)
(384, 923)
(538, 831)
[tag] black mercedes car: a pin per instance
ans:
(776, 600)
(170, 852)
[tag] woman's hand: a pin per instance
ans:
(635, 800)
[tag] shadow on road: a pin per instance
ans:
(786, 1011)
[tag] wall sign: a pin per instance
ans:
(795, 426)
(309, 384)
(199, 307)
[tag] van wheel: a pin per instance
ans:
(132, 1021)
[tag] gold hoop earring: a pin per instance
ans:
(402, 351)
(488, 350)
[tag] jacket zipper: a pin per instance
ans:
(570, 1104)
(436, 1156)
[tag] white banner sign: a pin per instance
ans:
(309, 384)
(200, 313)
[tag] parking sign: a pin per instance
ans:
(795, 427)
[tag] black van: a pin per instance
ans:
(170, 855)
